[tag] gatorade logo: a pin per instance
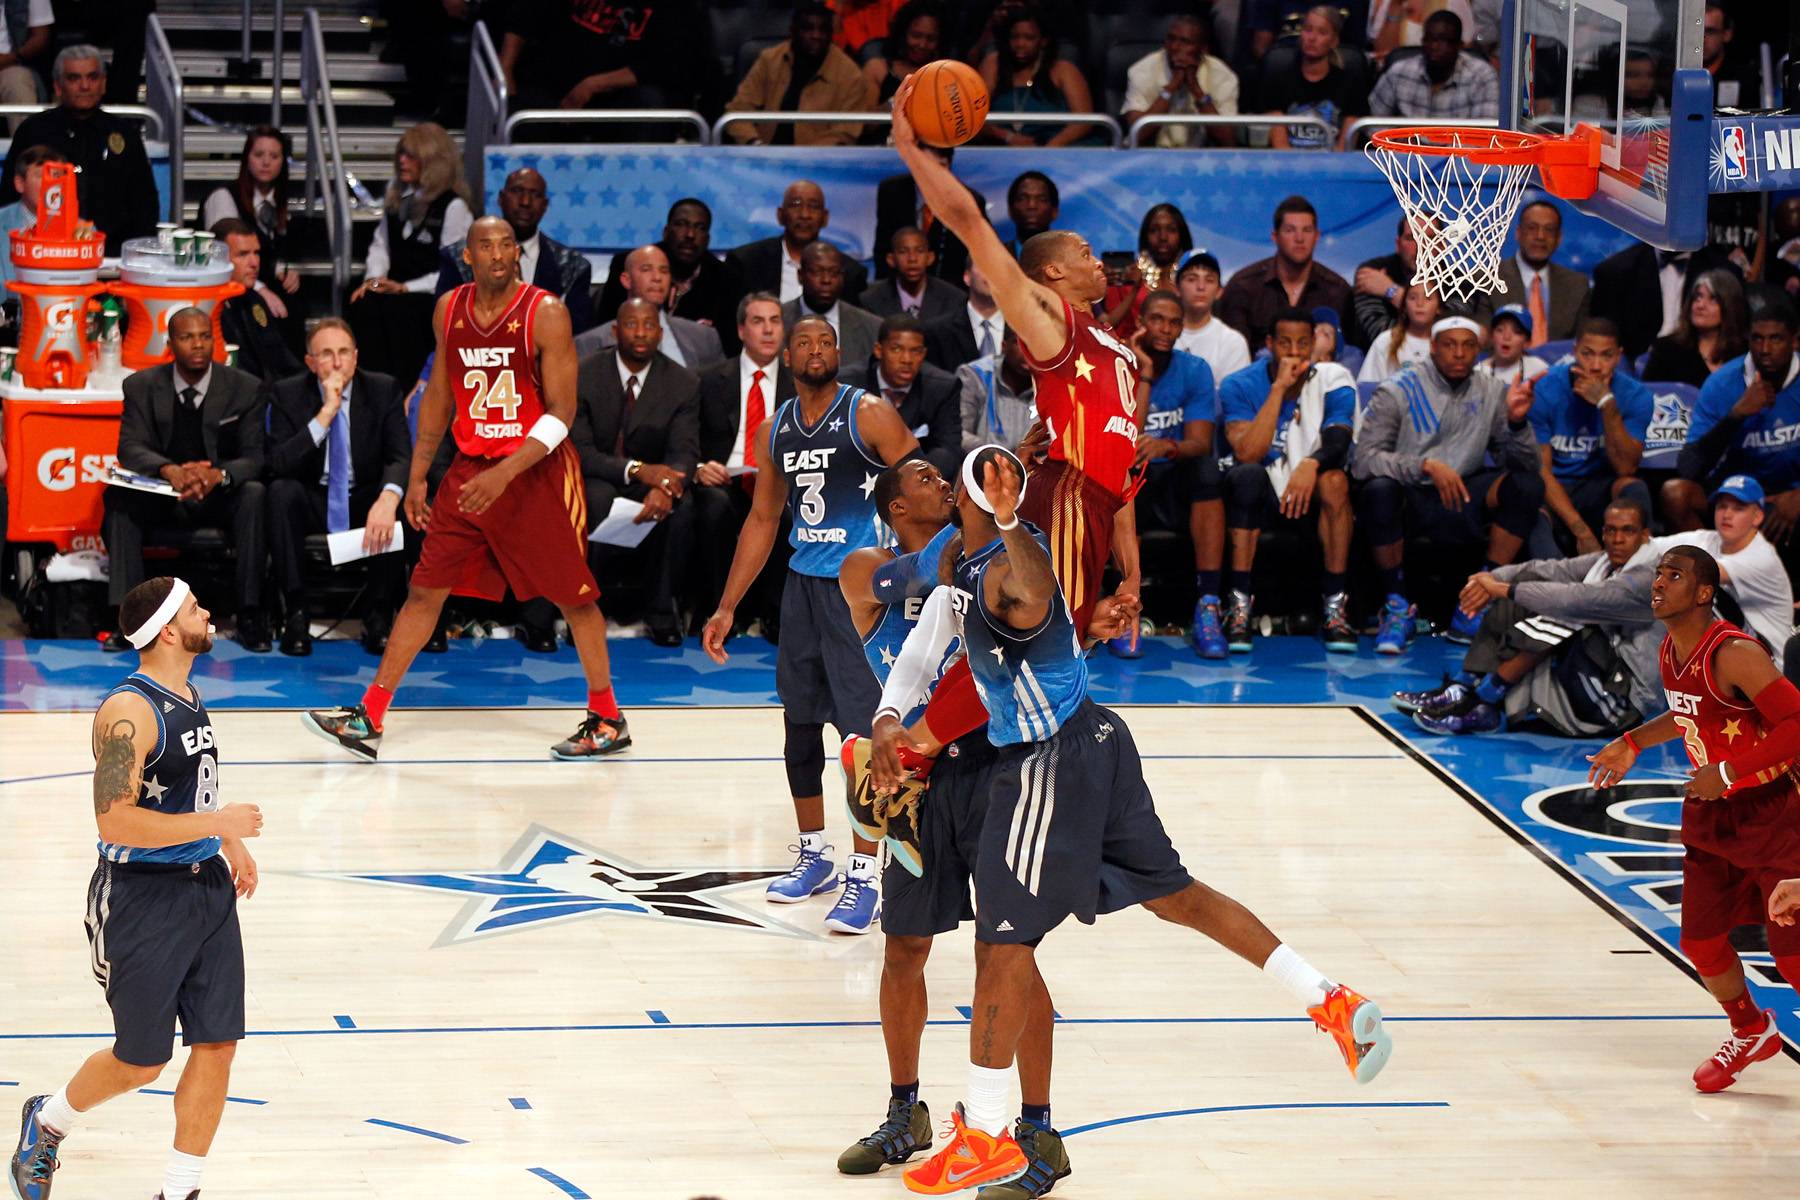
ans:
(60, 316)
(56, 469)
(53, 200)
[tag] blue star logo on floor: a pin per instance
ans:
(549, 878)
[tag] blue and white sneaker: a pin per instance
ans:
(1481, 717)
(1462, 627)
(1396, 627)
(811, 874)
(1208, 634)
(34, 1161)
(857, 909)
(1127, 646)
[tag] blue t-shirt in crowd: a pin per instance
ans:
(1575, 430)
(1242, 394)
(1768, 444)
(1182, 393)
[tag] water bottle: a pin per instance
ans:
(109, 362)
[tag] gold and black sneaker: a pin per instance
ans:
(868, 812)
(348, 727)
(596, 737)
(1049, 1162)
(906, 1131)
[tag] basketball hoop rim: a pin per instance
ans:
(1569, 165)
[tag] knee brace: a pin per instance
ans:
(1244, 490)
(1379, 506)
(1710, 956)
(1521, 496)
(803, 752)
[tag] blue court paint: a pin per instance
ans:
(344, 1022)
(430, 1133)
(519, 1102)
(656, 1016)
(1235, 1108)
(9, 1083)
(551, 1177)
(228, 1099)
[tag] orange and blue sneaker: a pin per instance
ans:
(970, 1158)
(1355, 1024)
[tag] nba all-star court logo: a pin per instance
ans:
(549, 878)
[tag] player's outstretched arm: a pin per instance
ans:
(755, 540)
(1747, 669)
(1019, 589)
(879, 425)
(124, 738)
(1029, 307)
(1617, 756)
(856, 579)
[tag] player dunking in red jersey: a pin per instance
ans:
(1740, 722)
(511, 509)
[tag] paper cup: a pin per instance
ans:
(231, 354)
(203, 244)
(165, 234)
(7, 355)
(184, 247)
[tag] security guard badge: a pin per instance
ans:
(262, 316)
(115, 141)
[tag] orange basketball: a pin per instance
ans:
(949, 103)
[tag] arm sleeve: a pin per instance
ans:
(1711, 430)
(248, 462)
(1376, 453)
(1779, 706)
(1334, 448)
(1200, 403)
(914, 574)
(1381, 98)
(219, 205)
(1622, 599)
(683, 453)
(910, 680)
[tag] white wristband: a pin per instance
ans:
(548, 431)
(1725, 774)
(886, 712)
(1008, 528)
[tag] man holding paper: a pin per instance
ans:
(338, 452)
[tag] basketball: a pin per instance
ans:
(949, 103)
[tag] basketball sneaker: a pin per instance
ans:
(193, 1195)
(1237, 623)
(1047, 1162)
(348, 727)
(906, 1131)
(972, 1158)
(1396, 627)
(811, 874)
(1411, 702)
(1479, 717)
(1335, 628)
(1355, 1024)
(34, 1161)
(1208, 634)
(1462, 627)
(1739, 1051)
(595, 737)
(903, 834)
(857, 908)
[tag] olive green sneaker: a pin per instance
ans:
(906, 1131)
(1049, 1162)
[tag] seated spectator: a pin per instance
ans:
(1737, 80)
(1408, 342)
(1420, 467)
(1329, 345)
(1290, 278)
(562, 271)
(1025, 74)
(1555, 296)
(1640, 288)
(1288, 421)
(974, 333)
(981, 24)
(1396, 23)
(914, 37)
(912, 289)
(1380, 282)
(1644, 100)
(687, 343)
(25, 37)
(997, 396)
(1184, 78)
(1202, 334)
(736, 397)
(426, 206)
(897, 205)
(821, 285)
(600, 54)
(1746, 422)
(1751, 572)
(339, 451)
(1440, 82)
(198, 425)
(806, 73)
(927, 397)
(1316, 86)
(245, 319)
(28, 182)
(1033, 204)
(772, 264)
(259, 198)
(1508, 359)
(1163, 238)
(1553, 638)
(1712, 330)
(702, 288)
(114, 185)
(1590, 418)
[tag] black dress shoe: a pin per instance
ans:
(664, 630)
(296, 636)
(253, 633)
(375, 634)
(438, 642)
(115, 643)
(539, 641)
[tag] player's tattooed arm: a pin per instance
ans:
(116, 765)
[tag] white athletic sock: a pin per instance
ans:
(182, 1175)
(1298, 976)
(985, 1103)
(813, 841)
(58, 1113)
(862, 866)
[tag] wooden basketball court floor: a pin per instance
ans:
(473, 1024)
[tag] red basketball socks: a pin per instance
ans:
(1745, 1016)
(603, 704)
(375, 702)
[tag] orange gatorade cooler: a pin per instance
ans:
(57, 263)
(159, 276)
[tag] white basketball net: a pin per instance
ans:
(1459, 210)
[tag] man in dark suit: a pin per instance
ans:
(245, 319)
(637, 430)
(543, 262)
(1639, 289)
(929, 399)
(974, 332)
(338, 454)
(736, 397)
(772, 264)
(822, 283)
(197, 425)
(702, 288)
(687, 343)
(1556, 297)
(897, 206)
(911, 289)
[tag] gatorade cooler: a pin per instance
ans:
(57, 262)
(157, 278)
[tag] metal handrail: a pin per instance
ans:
(486, 113)
(1113, 128)
(1364, 125)
(1134, 139)
(275, 54)
(164, 102)
(325, 181)
(615, 116)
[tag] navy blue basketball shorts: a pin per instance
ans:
(821, 672)
(165, 945)
(950, 821)
(1071, 830)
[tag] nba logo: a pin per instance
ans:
(1731, 146)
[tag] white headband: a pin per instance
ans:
(165, 612)
(972, 482)
(1448, 323)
